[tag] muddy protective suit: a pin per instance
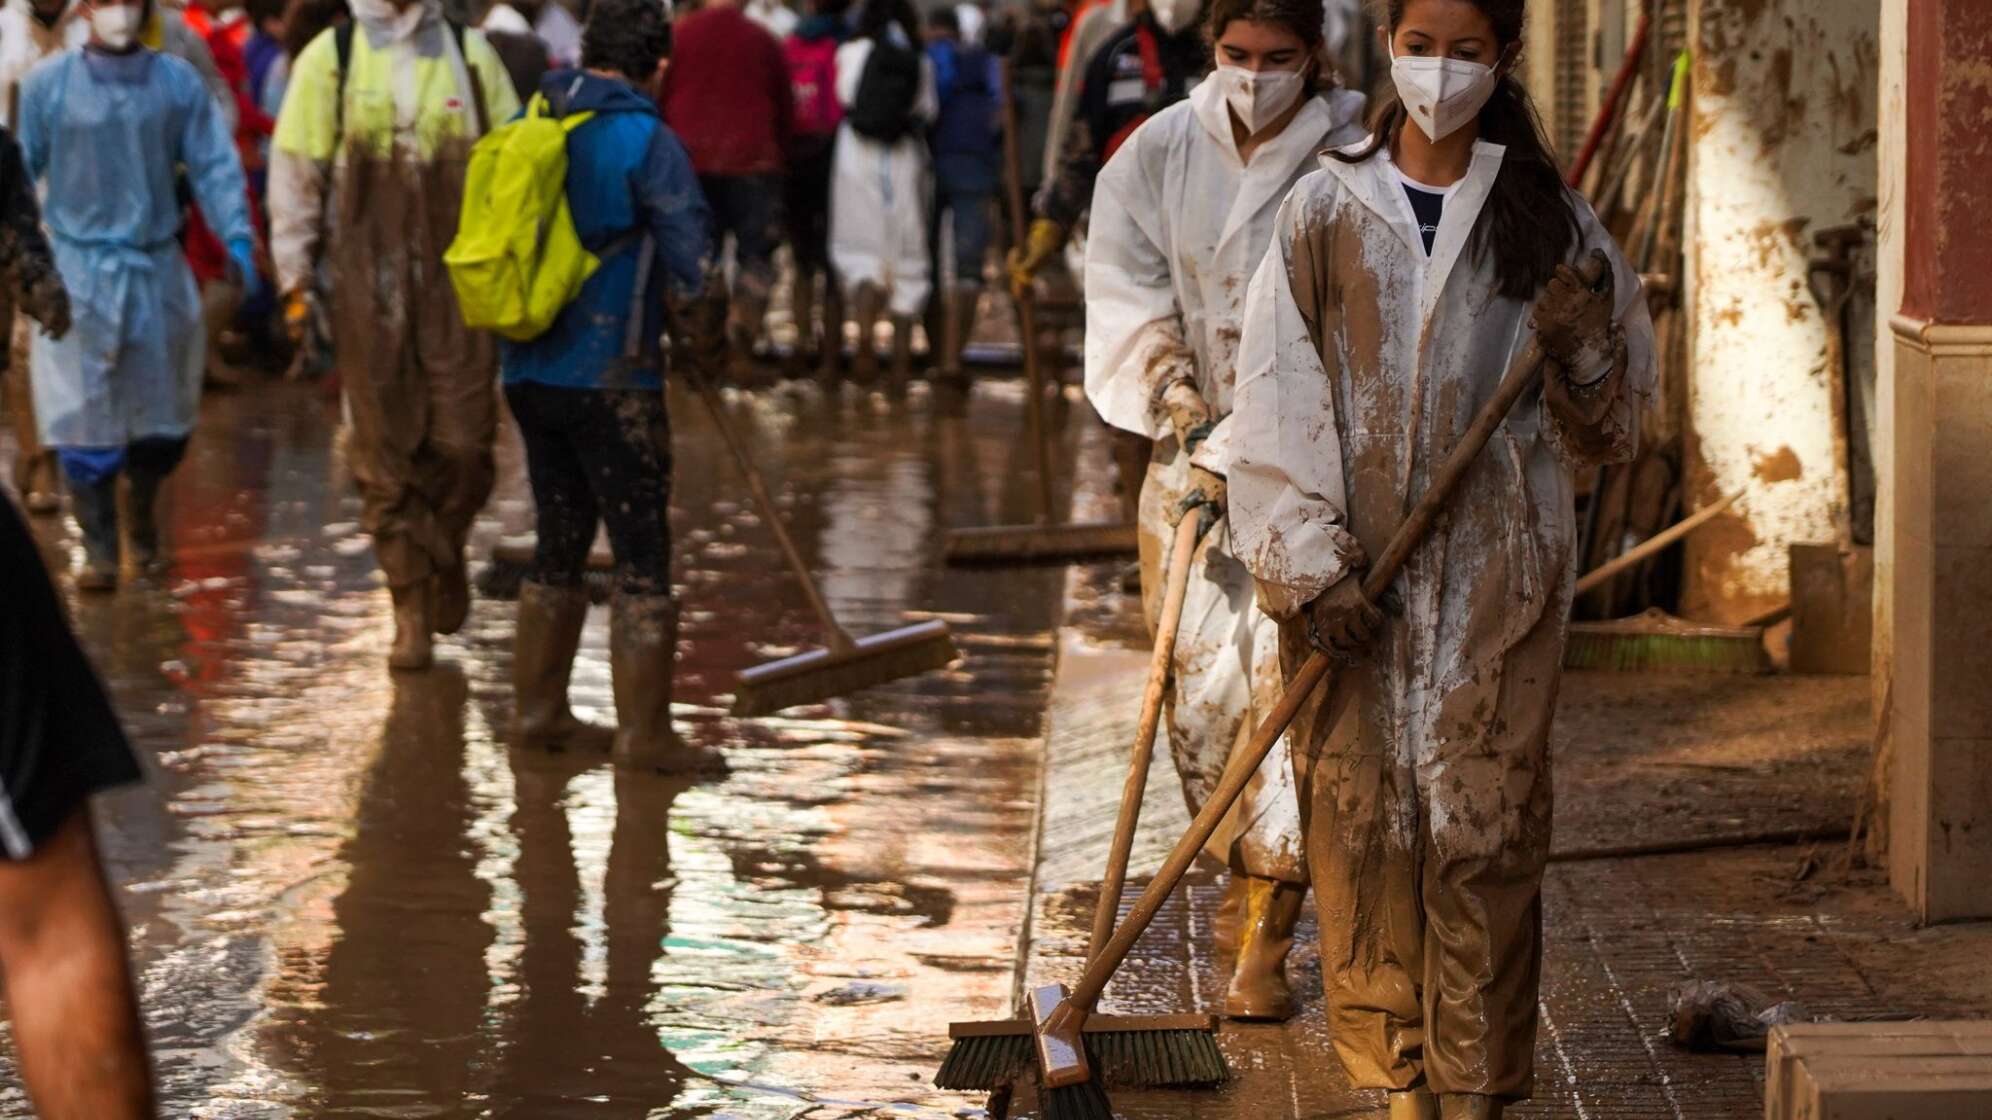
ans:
(1426, 768)
(391, 153)
(881, 194)
(1167, 266)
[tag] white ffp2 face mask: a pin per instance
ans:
(1441, 94)
(1174, 15)
(115, 25)
(1258, 97)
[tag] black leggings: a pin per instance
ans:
(592, 455)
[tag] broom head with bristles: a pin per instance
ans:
(1021, 545)
(1658, 640)
(819, 674)
(1135, 1051)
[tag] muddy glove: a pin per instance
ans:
(47, 302)
(1206, 495)
(1342, 621)
(1043, 242)
(1188, 414)
(298, 315)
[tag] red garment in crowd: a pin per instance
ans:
(225, 40)
(726, 93)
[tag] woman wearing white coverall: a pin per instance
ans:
(1402, 279)
(881, 194)
(1181, 217)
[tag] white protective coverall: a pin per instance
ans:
(1426, 774)
(1178, 226)
(881, 194)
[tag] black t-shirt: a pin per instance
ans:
(1428, 207)
(60, 741)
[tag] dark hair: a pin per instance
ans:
(1528, 225)
(305, 20)
(874, 16)
(625, 36)
(1305, 18)
(262, 11)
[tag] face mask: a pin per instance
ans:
(1174, 15)
(1441, 94)
(114, 25)
(1258, 97)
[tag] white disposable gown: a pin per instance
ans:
(105, 135)
(1427, 774)
(881, 194)
(1178, 226)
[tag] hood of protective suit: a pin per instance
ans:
(383, 20)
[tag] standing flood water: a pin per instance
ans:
(348, 897)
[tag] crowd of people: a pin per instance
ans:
(1295, 304)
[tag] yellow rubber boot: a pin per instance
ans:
(1259, 988)
(1414, 1104)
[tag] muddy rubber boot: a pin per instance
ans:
(549, 631)
(1231, 908)
(413, 625)
(643, 653)
(962, 305)
(830, 339)
(1414, 1104)
(142, 520)
(743, 326)
(1469, 1106)
(1259, 987)
(901, 374)
(450, 595)
(868, 303)
(96, 509)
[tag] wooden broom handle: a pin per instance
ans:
(1523, 374)
(834, 635)
(1180, 556)
(1026, 310)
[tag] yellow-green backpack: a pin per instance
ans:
(516, 260)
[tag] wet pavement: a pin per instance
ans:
(348, 898)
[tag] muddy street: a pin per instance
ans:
(348, 898)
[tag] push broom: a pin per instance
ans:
(847, 664)
(1144, 1050)
(1068, 1087)
(1044, 542)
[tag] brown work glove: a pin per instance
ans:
(47, 302)
(1342, 621)
(1045, 239)
(1189, 416)
(1574, 321)
(1207, 494)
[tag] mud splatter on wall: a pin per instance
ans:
(1784, 130)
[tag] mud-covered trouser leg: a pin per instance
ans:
(1428, 875)
(598, 454)
(34, 468)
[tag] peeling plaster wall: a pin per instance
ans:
(1783, 145)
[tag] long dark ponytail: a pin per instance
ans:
(1528, 225)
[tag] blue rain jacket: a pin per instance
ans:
(106, 134)
(636, 204)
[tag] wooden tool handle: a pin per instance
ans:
(1523, 374)
(1180, 556)
(1026, 310)
(834, 635)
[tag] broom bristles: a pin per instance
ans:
(1172, 1059)
(1084, 1101)
(818, 675)
(1657, 640)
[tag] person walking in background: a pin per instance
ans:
(107, 129)
(72, 1011)
(727, 96)
(589, 398)
(526, 56)
(379, 122)
(967, 143)
(812, 62)
(773, 15)
(881, 183)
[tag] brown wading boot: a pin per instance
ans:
(901, 373)
(413, 625)
(1469, 1106)
(1230, 909)
(1414, 1104)
(450, 596)
(549, 631)
(96, 509)
(1259, 987)
(643, 652)
(868, 303)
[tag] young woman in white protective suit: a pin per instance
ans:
(1181, 216)
(1402, 279)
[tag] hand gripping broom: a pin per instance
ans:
(1068, 1088)
(1044, 542)
(847, 664)
(1145, 1050)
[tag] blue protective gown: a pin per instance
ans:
(105, 134)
